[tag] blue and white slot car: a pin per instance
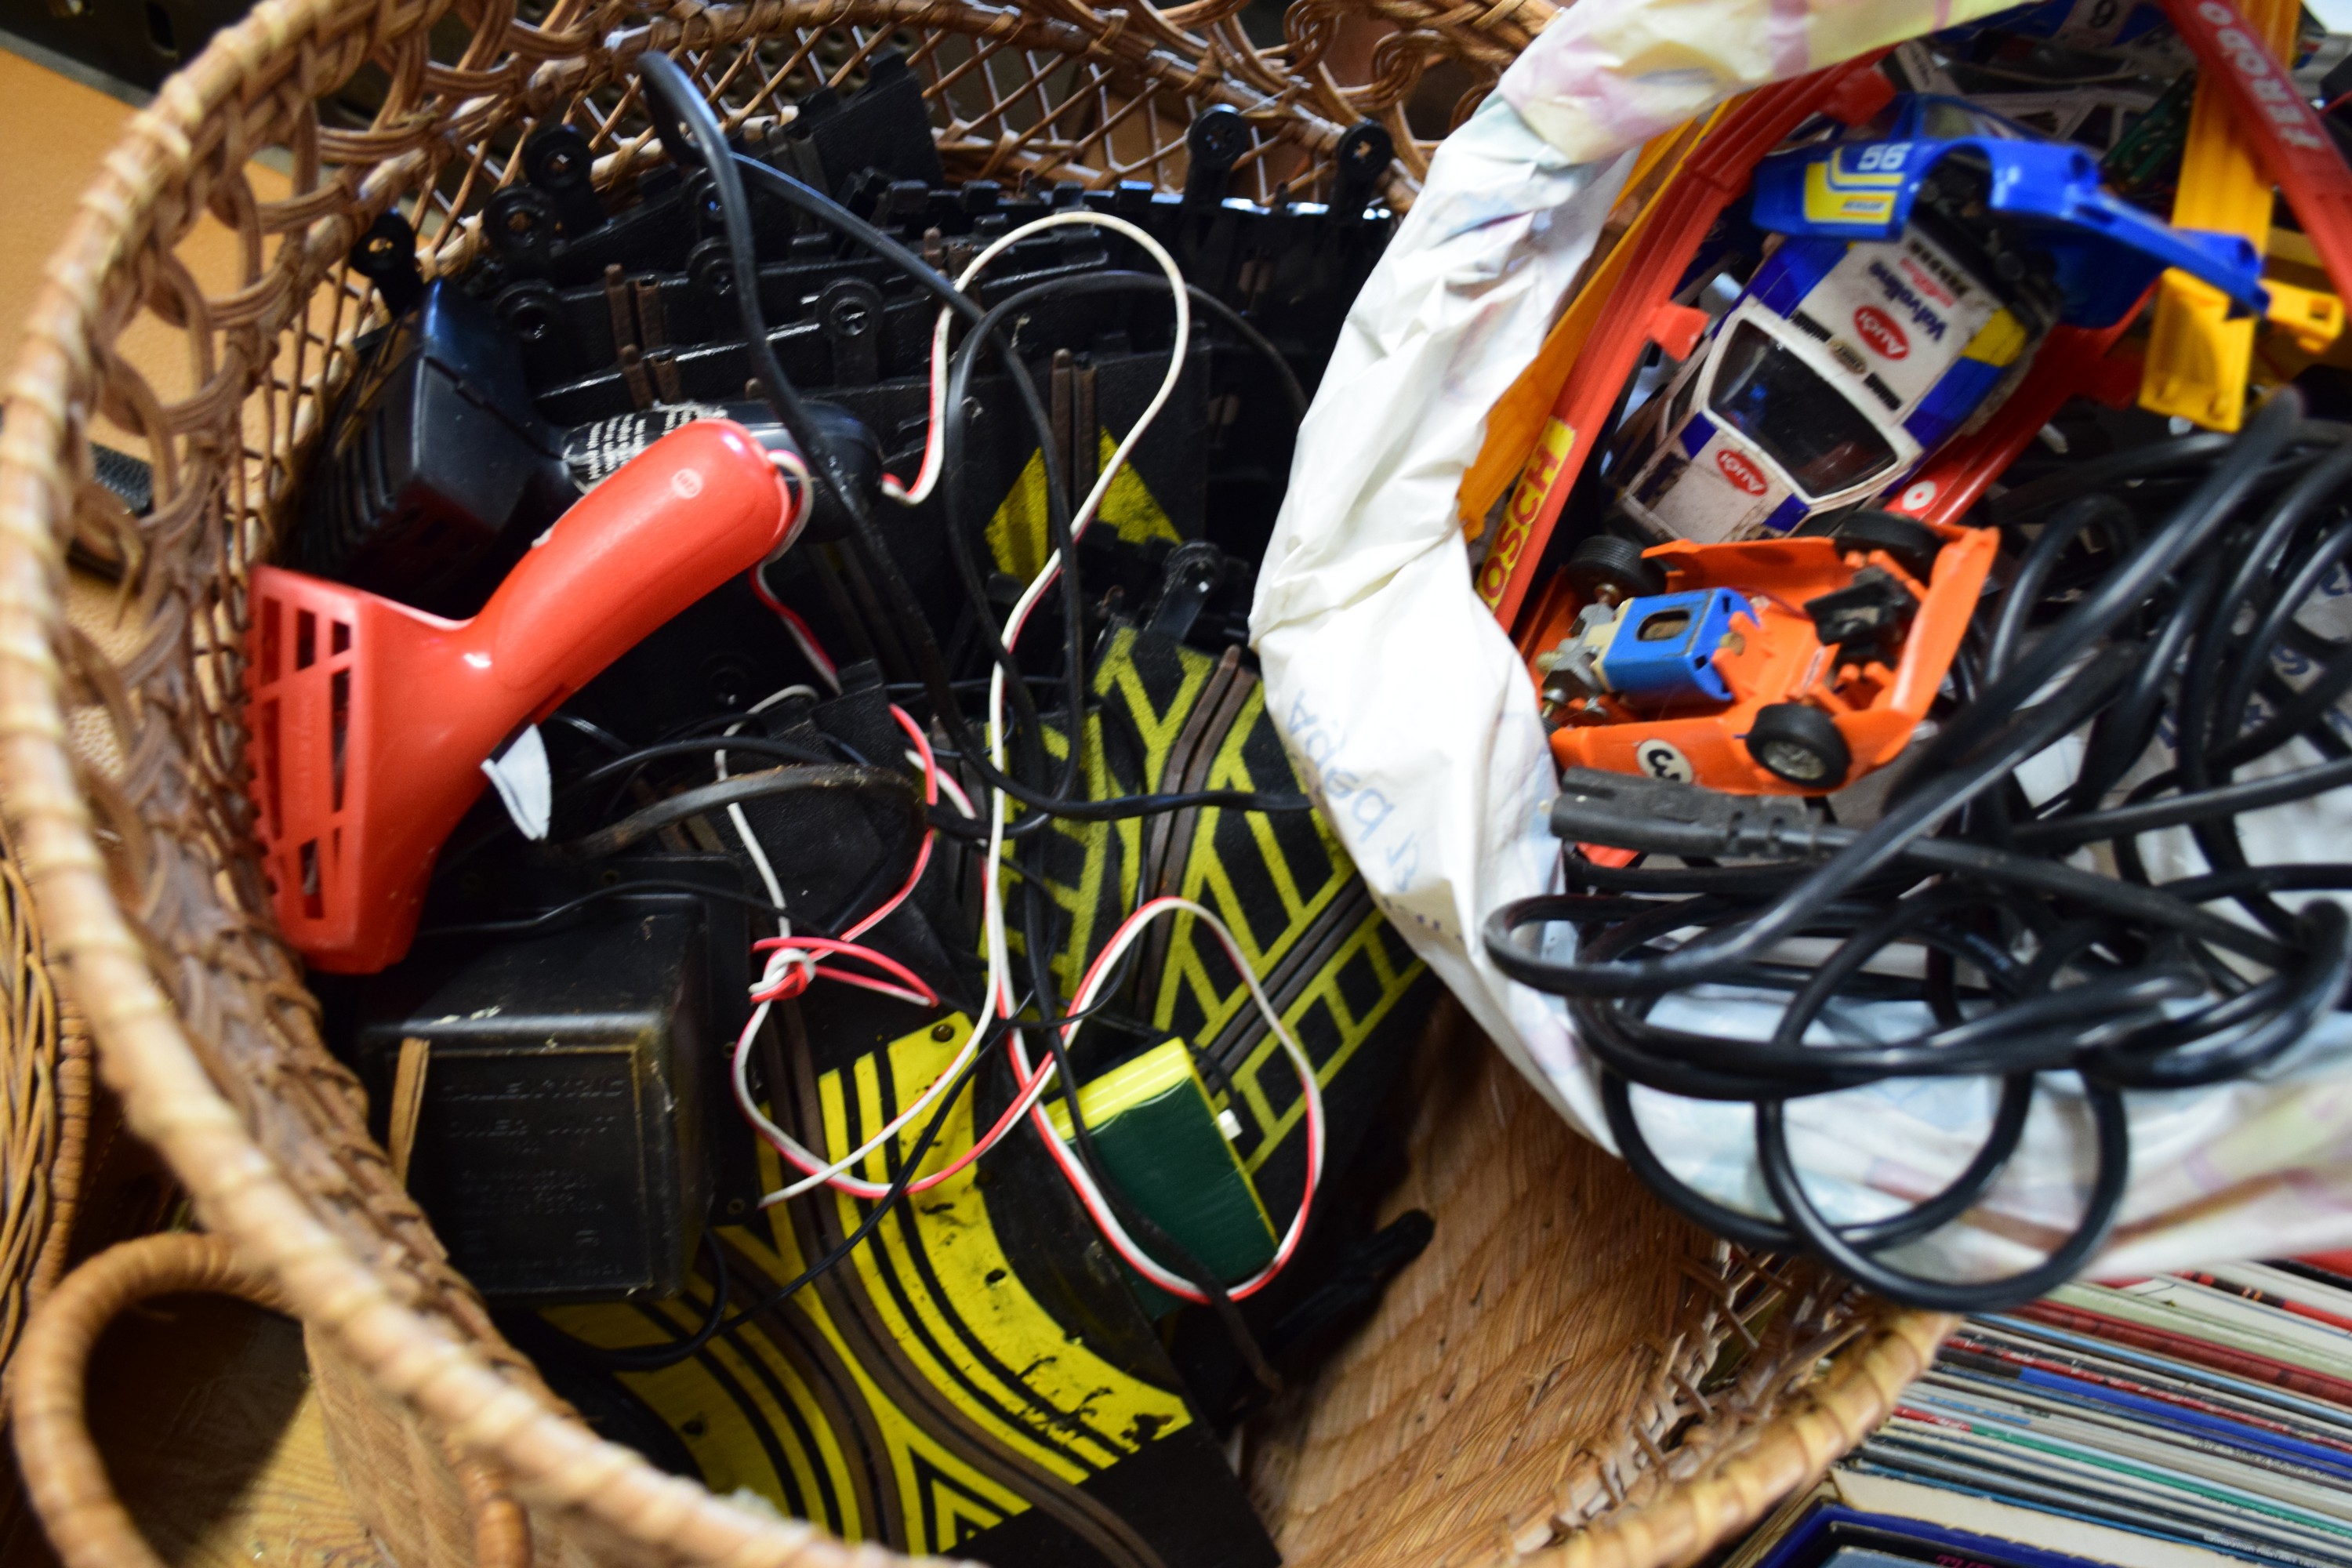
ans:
(1914, 275)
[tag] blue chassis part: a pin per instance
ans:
(2107, 252)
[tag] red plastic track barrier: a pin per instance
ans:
(2292, 147)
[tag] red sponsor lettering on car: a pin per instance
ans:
(1881, 332)
(1740, 471)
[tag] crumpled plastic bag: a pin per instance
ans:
(1608, 75)
(1411, 718)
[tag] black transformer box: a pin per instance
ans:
(560, 1146)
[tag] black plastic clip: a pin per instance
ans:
(386, 256)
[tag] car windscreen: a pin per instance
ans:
(1769, 396)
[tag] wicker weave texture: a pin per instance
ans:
(1549, 1366)
(141, 872)
(46, 1112)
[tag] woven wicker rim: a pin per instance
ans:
(65, 1474)
(147, 1057)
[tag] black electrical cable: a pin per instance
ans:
(2001, 1141)
(614, 838)
(690, 133)
(2061, 833)
(825, 210)
(2181, 632)
(652, 1358)
(2098, 1217)
(689, 126)
(523, 925)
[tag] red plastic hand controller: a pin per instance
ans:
(371, 721)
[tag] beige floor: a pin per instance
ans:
(59, 133)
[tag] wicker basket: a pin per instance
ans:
(46, 1133)
(1569, 1370)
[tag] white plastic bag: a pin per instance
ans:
(1415, 722)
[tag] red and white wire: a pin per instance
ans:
(999, 997)
(794, 960)
(1074, 1170)
(934, 444)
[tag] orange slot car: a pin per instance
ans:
(1788, 665)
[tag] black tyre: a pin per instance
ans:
(1913, 546)
(1607, 570)
(1801, 744)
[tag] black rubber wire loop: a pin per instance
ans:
(2302, 998)
(1958, 1195)
(2044, 1033)
(2113, 1130)
(1930, 1214)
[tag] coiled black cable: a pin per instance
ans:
(2184, 650)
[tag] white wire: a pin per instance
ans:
(991, 887)
(743, 823)
(934, 442)
(802, 502)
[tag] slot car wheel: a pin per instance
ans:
(1913, 546)
(1609, 571)
(1802, 744)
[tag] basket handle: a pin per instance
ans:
(63, 1471)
